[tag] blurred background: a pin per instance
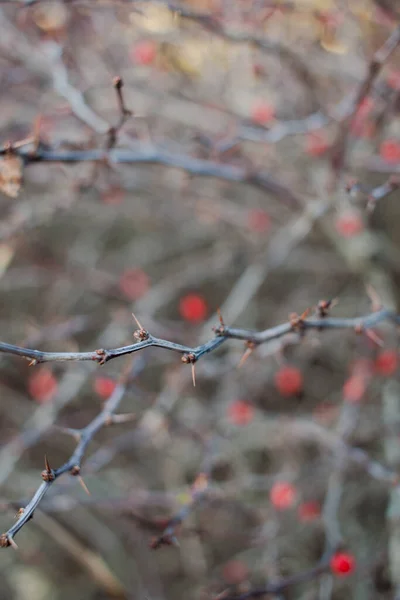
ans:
(239, 169)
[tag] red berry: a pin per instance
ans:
(362, 367)
(308, 511)
(393, 80)
(262, 113)
(282, 495)
(104, 386)
(235, 572)
(316, 144)
(193, 308)
(258, 70)
(390, 151)
(289, 381)
(354, 389)
(361, 127)
(258, 220)
(144, 52)
(42, 385)
(240, 412)
(113, 196)
(349, 224)
(342, 563)
(366, 106)
(386, 362)
(134, 283)
(325, 413)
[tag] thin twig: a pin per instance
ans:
(73, 464)
(190, 355)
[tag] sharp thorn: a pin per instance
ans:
(137, 321)
(46, 464)
(13, 544)
(245, 357)
(83, 484)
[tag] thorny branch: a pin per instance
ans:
(296, 324)
(140, 153)
(73, 464)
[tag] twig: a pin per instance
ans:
(139, 153)
(279, 586)
(73, 464)
(145, 339)
(374, 68)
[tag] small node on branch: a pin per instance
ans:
(297, 321)
(117, 82)
(359, 329)
(324, 307)
(101, 357)
(4, 541)
(353, 186)
(33, 362)
(75, 471)
(19, 513)
(163, 540)
(200, 484)
(190, 359)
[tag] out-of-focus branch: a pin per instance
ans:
(140, 153)
(374, 68)
(280, 586)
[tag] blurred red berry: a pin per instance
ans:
(354, 389)
(289, 381)
(342, 563)
(240, 412)
(390, 151)
(258, 220)
(349, 224)
(316, 144)
(144, 52)
(193, 308)
(262, 113)
(366, 106)
(325, 413)
(362, 127)
(235, 572)
(258, 70)
(282, 495)
(134, 283)
(386, 362)
(113, 196)
(308, 511)
(362, 367)
(393, 80)
(104, 386)
(42, 385)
